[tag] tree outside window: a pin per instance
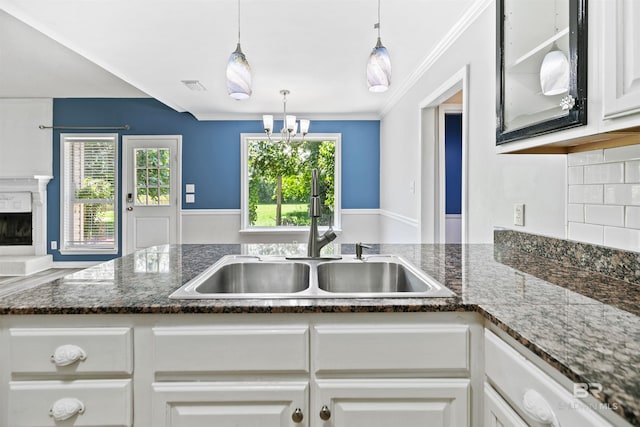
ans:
(279, 181)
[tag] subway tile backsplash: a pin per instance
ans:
(604, 197)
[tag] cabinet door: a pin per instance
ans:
(621, 58)
(383, 403)
(497, 412)
(229, 404)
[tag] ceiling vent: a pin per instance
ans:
(194, 85)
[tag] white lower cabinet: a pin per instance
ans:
(497, 412)
(82, 403)
(229, 404)
(534, 395)
(361, 370)
(383, 403)
(64, 375)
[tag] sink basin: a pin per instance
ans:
(378, 275)
(368, 277)
(382, 276)
(247, 276)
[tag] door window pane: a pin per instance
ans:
(153, 177)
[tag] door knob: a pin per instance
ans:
(325, 413)
(129, 208)
(297, 416)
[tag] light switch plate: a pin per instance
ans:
(190, 198)
(190, 188)
(518, 214)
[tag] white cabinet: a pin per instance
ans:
(311, 372)
(534, 395)
(395, 402)
(621, 58)
(69, 376)
(613, 74)
(497, 412)
(380, 374)
(230, 404)
(80, 403)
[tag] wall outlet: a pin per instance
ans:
(190, 198)
(54, 245)
(518, 214)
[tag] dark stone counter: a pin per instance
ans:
(583, 323)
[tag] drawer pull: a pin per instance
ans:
(297, 416)
(68, 354)
(538, 408)
(325, 413)
(66, 408)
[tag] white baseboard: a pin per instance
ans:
(75, 264)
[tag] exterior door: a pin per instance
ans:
(151, 189)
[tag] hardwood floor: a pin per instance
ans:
(11, 284)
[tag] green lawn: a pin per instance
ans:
(267, 213)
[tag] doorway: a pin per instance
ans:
(450, 142)
(450, 99)
(151, 183)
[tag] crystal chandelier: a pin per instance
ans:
(379, 64)
(238, 71)
(289, 125)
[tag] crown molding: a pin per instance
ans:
(454, 33)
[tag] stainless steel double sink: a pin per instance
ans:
(379, 276)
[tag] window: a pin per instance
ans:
(276, 181)
(153, 177)
(88, 195)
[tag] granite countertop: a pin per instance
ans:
(584, 324)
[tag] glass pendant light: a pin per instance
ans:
(379, 64)
(238, 71)
(555, 69)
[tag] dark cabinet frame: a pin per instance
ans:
(577, 115)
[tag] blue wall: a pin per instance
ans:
(210, 153)
(453, 162)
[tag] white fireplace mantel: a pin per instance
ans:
(37, 186)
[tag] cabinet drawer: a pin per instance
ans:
(518, 379)
(226, 404)
(106, 350)
(229, 349)
(106, 402)
(392, 348)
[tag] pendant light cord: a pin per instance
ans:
(378, 24)
(238, 21)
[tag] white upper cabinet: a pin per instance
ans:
(621, 58)
(613, 87)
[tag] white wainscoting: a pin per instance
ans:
(453, 228)
(223, 226)
(211, 225)
(395, 228)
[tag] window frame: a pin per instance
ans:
(244, 187)
(65, 248)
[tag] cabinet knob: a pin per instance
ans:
(538, 408)
(68, 354)
(66, 408)
(297, 416)
(325, 413)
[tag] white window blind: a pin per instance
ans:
(89, 188)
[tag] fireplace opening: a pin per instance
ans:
(16, 229)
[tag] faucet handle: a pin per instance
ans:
(359, 247)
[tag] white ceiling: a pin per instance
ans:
(317, 49)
